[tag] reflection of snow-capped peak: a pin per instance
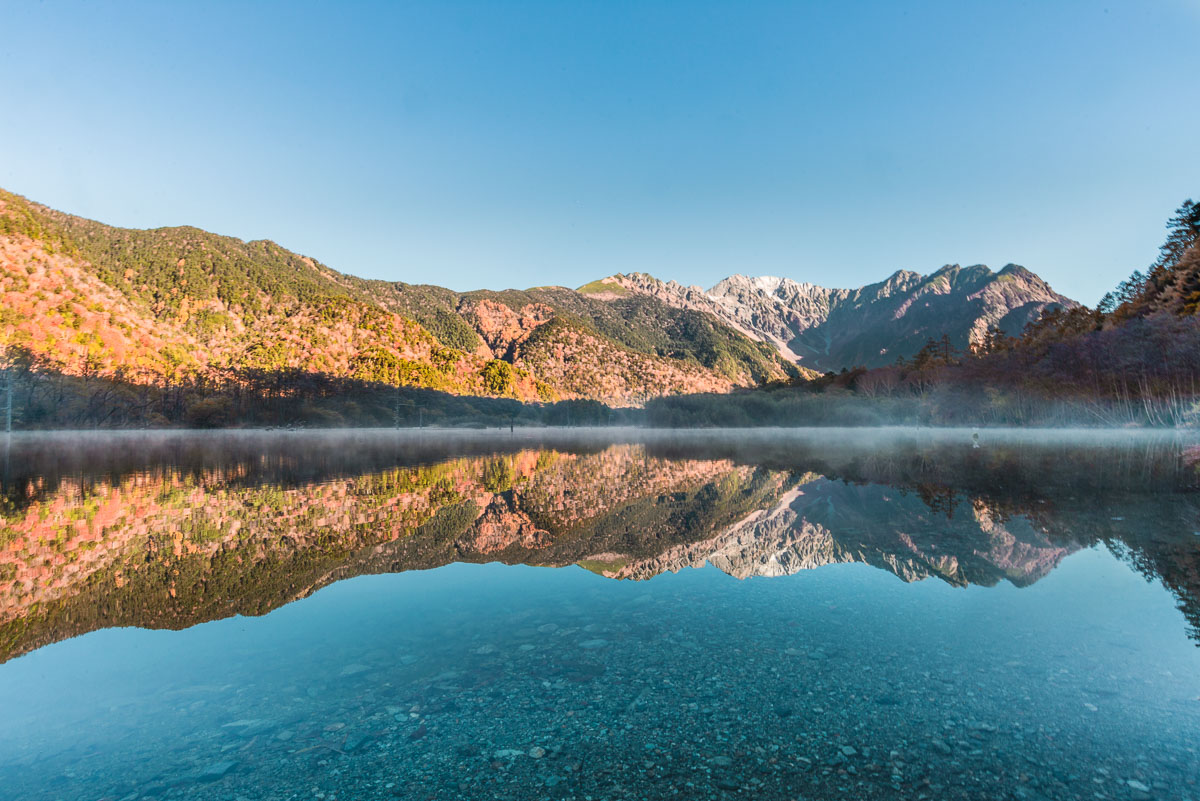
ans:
(822, 522)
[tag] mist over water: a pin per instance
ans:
(605, 614)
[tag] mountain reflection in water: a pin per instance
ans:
(167, 531)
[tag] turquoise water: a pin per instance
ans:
(857, 657)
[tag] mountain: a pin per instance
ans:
(215, 323)
(829, 329)
(625, 351)
(181, 305)
(1134, 360)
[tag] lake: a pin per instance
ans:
(604, 614)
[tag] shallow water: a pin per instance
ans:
(621, 615)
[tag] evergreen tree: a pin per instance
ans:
(1184, 231)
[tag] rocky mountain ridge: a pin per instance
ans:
(871, 326)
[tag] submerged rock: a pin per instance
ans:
(508, 753)
(251, 727)
(216, 770)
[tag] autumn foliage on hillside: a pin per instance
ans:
(204, 318)
(183, 308)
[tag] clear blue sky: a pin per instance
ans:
(515, 144)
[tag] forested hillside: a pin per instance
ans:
(200, 315)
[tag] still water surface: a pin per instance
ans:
(374, 615)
